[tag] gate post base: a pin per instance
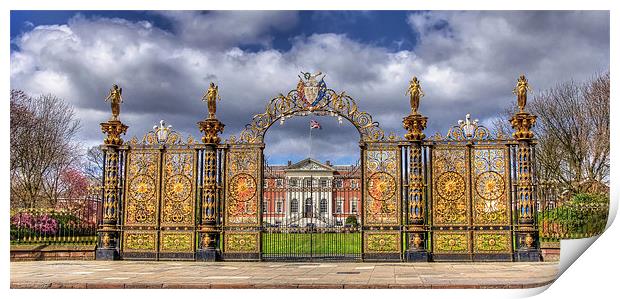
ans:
(208, 255)
(107, 254)
(528, 256)
(417, 256)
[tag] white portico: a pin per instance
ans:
(309, 193)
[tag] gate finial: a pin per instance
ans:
(414, 123)
(522, 121)
(211, 96)
(415, 93)
(114, 128)
(521, 91)
(115, 100)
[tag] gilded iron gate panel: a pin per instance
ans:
(382, 201)
(451, 202)
(141, 211)
(178, 215)
(470, 202)
(450, 186)
(242, 203)
(491, 205)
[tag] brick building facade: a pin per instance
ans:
(311, 193)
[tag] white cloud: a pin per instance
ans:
(467, 63)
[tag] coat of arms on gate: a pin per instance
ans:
(309, 90)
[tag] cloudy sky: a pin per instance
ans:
(467, 62)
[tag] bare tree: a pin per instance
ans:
(572, 130)
(93, 165)
(42, 146)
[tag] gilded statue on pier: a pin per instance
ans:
(521, 91)
(415, 93)
(115, 99)
(211, 96)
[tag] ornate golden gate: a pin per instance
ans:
(465, 196)
(471, 211)
(160, 198)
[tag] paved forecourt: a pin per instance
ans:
(137, 274)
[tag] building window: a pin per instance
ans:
(292, 182)
(308, 208)
(338, 183)
(353, 184)
(279, 206)
(294, 205)
(308, 182)
(279, 183)
(323, 206)
(339, 206)
(324, 183)
(354, 205)
(265, 206)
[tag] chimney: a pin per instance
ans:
(289, 163)
(328, 163)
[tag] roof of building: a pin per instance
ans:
(308, 164)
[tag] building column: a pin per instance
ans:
(108, 231)
(209, 230)
(416, 205)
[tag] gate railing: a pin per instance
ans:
(565, 215)
(72, 222)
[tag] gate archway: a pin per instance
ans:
(310, 232)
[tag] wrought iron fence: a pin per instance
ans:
(71, 222)
(564, 215)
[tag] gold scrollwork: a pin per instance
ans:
(490, 200)
(162, 134)
(450, 196)
(241, 242)
(177, 242)
(451, 242)
(241, 204)
(141, 197)
(178, 187)
(140, 241)
(381, 188)
(492, 242)
(468, 130)
(381, 242)
(242, 187)
(333, 104)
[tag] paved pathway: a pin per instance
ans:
(134, 274)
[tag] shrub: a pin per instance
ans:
(583, 216)
(351, 221)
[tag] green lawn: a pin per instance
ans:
(319, 243)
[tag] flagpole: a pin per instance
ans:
(310, 149)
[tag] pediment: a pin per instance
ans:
(309, 164)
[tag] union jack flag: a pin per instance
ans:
(315, 124)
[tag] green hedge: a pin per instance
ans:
(585, 215)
